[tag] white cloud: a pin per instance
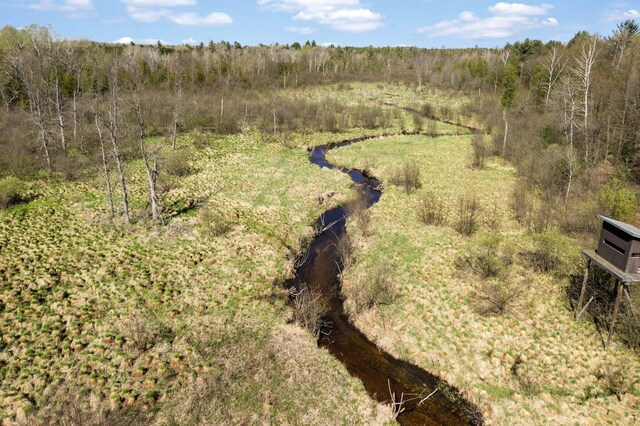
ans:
(193, 19)
(153, 10)
(129, 40)
(619, 15)
(519, 9)
(74, 8)
(190, 41)
(506, 20)
(343, 15)
(142, 14)
(159, 3)
(300, 30)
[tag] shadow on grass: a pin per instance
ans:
(599, 310)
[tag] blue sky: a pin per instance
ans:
(423, 23)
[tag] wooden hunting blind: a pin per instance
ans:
(618, 254)
(620, 245)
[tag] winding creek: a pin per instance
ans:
(378, 371)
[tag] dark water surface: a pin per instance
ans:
(375, 368)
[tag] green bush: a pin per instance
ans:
(550, 253)
(11, 192)
(617, 201)
(489, 259)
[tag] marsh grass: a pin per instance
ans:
(356, 210)
(124, 302)
(440, 316)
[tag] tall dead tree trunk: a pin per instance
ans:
(152, 172)
(584, 70)
(58, 102)
(34, 87)
(139, 111)
(570, 108)
(177, 107)
(105, 166)
(38, 116)
(112, 123)
(554, 66)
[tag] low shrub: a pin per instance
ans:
(357, 211)
(140, 332)
(615, 380)
(428, 110)
(431, 210)
(377, 288)
(176, 163)
(418, 122)
(479, 146)
(549, 253)
(309, 309)
(344, 248)
(522, 204)
(488, 260)
(495, 297)
(432, 128)
(468, 221)
(213, 222)
(408, 176)
(11, 192)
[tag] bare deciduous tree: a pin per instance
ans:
(554, 64)
(177, 106)
(30, 67)
(105, 166)
(112, 122)
(136, 82)
(584, 71)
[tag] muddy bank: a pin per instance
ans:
(379, 371)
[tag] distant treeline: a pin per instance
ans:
(563, 113)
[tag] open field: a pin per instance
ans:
(184, 322)
(532, 363)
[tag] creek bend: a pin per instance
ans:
(379, 371)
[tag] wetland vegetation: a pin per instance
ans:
(156, 200)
